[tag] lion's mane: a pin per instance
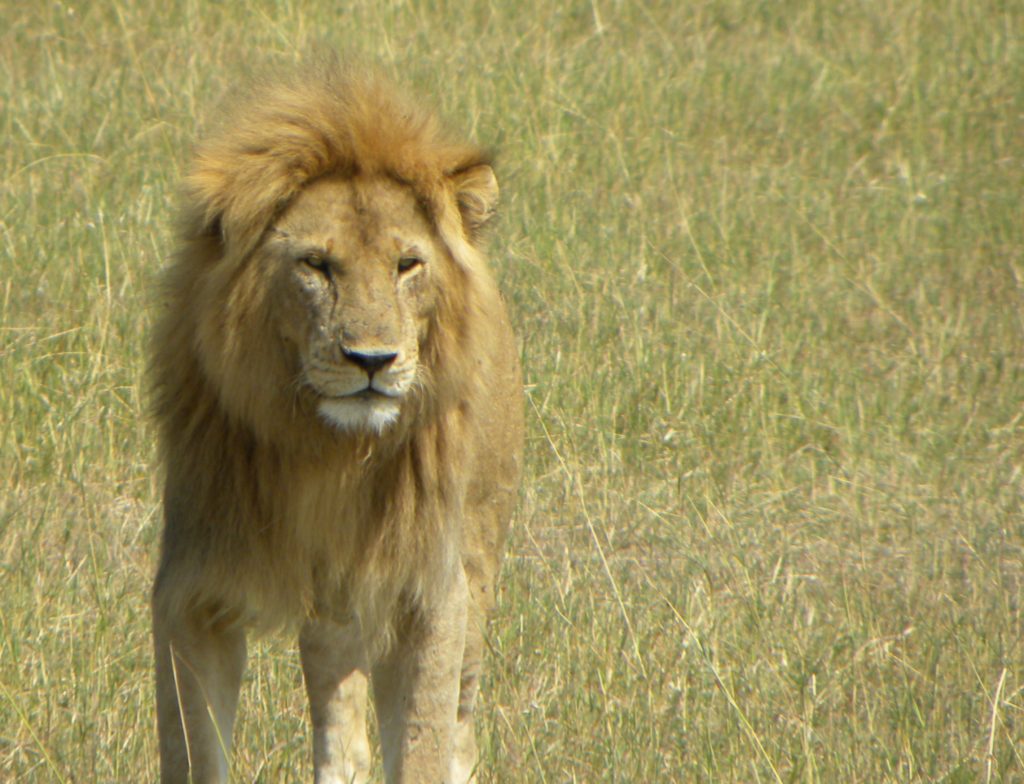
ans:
(287, 506)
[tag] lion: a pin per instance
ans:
(339, 407)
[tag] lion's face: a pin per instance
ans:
(357, 266)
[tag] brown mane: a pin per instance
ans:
(226, 434)
(324, 120)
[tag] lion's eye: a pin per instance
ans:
(318, 263)
(408, 263)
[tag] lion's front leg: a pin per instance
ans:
(199, 667)
(334, 667)
(416, 690)
(464, 753)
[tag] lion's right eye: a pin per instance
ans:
(408, 263)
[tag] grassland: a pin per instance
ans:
(767, 262)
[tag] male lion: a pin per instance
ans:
(340, 416)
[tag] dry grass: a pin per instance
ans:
(768, 264)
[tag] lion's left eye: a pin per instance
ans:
(408, 263)
(318, 263)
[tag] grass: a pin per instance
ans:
(767, 262)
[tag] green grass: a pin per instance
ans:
(767, 262)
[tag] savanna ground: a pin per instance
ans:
(767, 262)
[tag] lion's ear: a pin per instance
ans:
(476, 191)
(214, 228)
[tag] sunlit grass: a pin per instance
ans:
(767, 262)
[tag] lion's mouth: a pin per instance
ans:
(368, 393)
(366, 409)
(328, 389)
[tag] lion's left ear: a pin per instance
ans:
(476, 192)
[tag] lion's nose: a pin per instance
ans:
(371, 362)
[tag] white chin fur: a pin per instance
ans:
(359, 414)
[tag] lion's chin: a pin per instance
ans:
(358, 413)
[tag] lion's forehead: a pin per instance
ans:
(336, 212)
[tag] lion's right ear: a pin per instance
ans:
(233, 206)
(206, 190)
(213, 229)
(476, 192)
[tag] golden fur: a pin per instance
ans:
(274, 515)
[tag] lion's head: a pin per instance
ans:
(329, 260)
